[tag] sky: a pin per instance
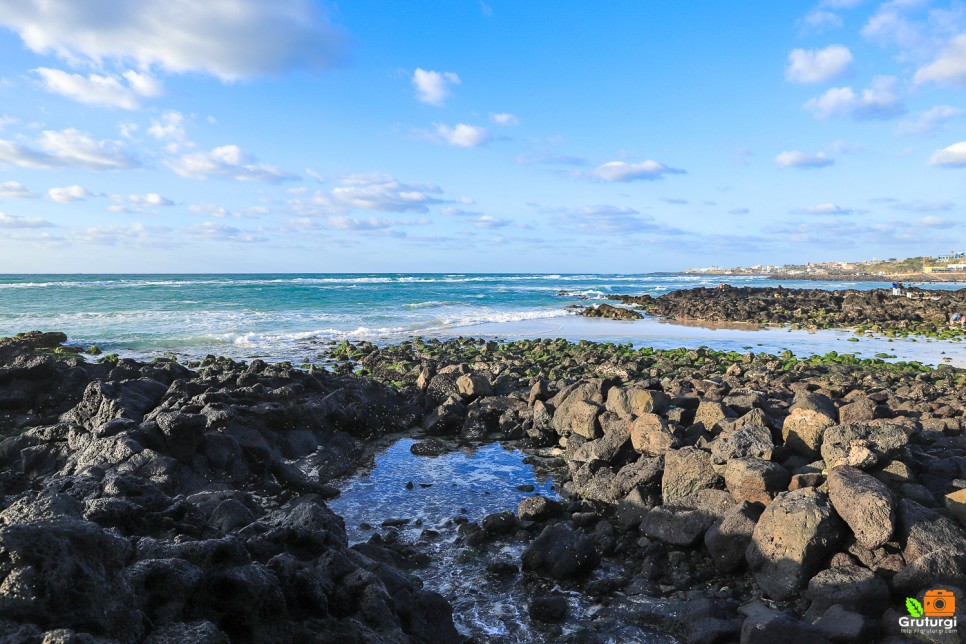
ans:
(477, 135)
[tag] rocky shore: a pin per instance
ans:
(917, 312)
(757, 497)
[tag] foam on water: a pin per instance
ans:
(287, 316)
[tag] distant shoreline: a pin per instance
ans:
(853, 277)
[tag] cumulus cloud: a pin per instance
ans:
(170, 127)
(378, 192)
(811, 66)
(953, 156)
(68, 194)
(67, 148)
(621, 171)
(230, 39)
(931, 120)
(825, 209)
(802, 160)
(227, 162)
(433, 88)
(11, 221)
(923, 206)
(505, 118)
(462, 135)
(949, 67)
(881, 100)
(124, 91)
(15, 189)
(488, 221)
(210, 209)
(820, 19)
(605, 219)
(211, 231)
(151, 200)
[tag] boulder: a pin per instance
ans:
(852, 587)
(614, 447)
(859, 410)
(886, 440)
(839, 624)
(791, 541)
(550, 609)
(561, 554)
(922, 531)
(755, 480)
(675, 526)
(740, 442)
(103, 402)
(66, 573)
(538, 508)
(727, 538)
(804, 427)
(713, 415)
(473, 385)
(864, 503)
(633, 401)
(650, 434)
(686, 471)
(771, 626)
(578, 416)
(744, 400)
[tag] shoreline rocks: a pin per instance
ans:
(677, 470)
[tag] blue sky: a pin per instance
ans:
(460, 135)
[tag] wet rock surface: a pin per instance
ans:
(917, 311)
(158, 502)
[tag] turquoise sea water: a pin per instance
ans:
(287, 316)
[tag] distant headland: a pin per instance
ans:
(940, 268)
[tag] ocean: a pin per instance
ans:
(288, 316)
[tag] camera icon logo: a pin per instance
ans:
(939, 603)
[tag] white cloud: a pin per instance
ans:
(68, 194)
(931, 120)
(211, 231)
(432, 87)
(841, 4)
(820, 19)
(10, 221)
(953, 156)
(881, 100)
(135, 235)
(228, 162)
(124, 91)
(644, 171)
(378, 192)
(15, 189)
(152, 199)
(462, 135)
(170, 127)
(739, 211)
(488, 221)
(505, 118)
(949, 67)
(606, 219)
(825, 209)
(210, 209)
(924, 206)
(802, 160)
(68, 148)
(230, 39)
(817, 65)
